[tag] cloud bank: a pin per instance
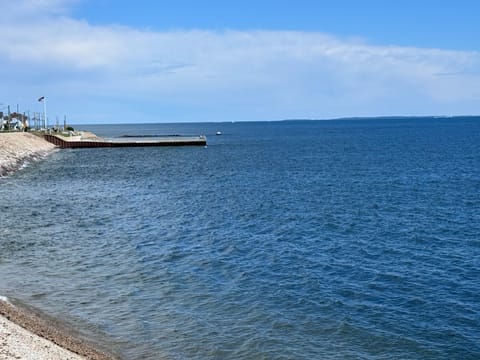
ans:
(115, 73)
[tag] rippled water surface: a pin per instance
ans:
(295, 240)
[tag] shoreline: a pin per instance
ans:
(16, 148)
(26, 333)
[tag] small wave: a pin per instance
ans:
(24, 165)
(141, 245)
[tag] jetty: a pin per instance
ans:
(89, 140)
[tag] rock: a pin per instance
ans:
(16, 148)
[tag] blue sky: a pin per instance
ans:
(104, 61)
(424, 23)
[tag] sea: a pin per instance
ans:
(342, 239)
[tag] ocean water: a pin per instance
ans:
(348, 239)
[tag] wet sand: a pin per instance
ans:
(26, 335)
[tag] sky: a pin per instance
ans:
(116, 61)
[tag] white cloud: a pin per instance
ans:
(230, 75)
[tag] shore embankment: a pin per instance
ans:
(26, 335)
(16, 148)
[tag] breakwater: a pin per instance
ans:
(18, 147)
(96, 142)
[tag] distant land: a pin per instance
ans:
(391, 117)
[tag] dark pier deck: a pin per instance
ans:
(163, 141)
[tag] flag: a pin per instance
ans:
(42, 98)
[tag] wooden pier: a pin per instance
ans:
(66, 143)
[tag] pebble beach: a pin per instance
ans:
(26, 335)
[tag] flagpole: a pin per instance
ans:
(45, 113)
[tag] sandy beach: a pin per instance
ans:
(18, 147)
(25, 335)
